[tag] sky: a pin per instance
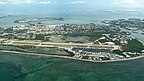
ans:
(126, 3)
(59, 5)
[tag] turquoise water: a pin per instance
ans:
(9, 72)
(56, 69)
(68, 70)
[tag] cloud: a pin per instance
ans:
(129, 2)
(29, 1)
(77, 2)
(45, 2)
(2, 2)
(15, 1)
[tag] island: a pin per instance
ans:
(6, 16)
(92, 42)
(38, 20)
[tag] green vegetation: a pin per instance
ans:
(117, 42)
(10, 36)
(71, 54)
(127, 23)
(40, 37)
(125, 33)
(21, 31)
(92, 35)
(117, 52)
(36, 50)
(37, 20)
(10, 48)
(8, 30)
(133, 46)
(16, 21)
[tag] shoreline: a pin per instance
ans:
(72, 58)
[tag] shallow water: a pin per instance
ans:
(9, 72)
(56, 69)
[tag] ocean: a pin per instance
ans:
(13, 68)
(73, 17)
